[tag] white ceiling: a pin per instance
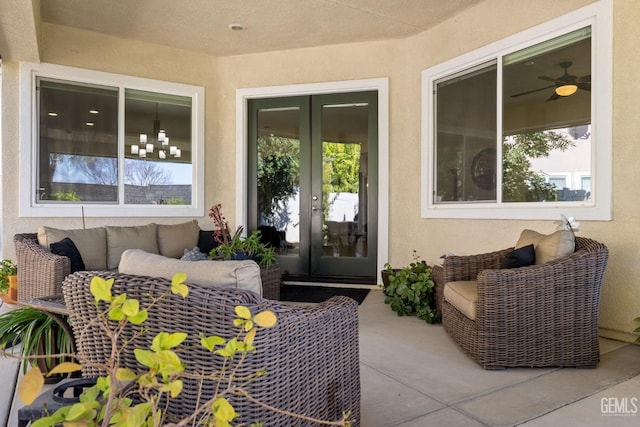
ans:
(203, 25)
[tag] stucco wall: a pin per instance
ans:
(402, 62)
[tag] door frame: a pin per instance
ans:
(381, 85)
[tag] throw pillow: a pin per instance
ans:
(548, 247)
(66, 247)
(120, 239)
(173, 238)
(520, 257)
(193, 255)
(206, 242)
(91, 243)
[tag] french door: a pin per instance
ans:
(312, 183)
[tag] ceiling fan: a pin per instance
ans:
(564, 85)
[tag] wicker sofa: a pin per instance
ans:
(311, 355)
(41, 271)
(533, 316)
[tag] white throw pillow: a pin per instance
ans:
(224, 274)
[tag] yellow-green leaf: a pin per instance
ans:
(173, 340)
(174, 387)
(223, 410)
(65, 368)
(248, 325)
(210, 342)
(131, 307)
(125, 374)
(30, 386)
(145, 357)
(77, 412)
(266, 319)
(101, 289)
(116, 314)
(178, 286)
(251, 335)
(138, 318)
(243, 312)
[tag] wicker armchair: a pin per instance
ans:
(40, 272)
(540, 315)
(311, 355)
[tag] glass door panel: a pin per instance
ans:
(344, 132)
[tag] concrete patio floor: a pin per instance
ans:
(413, 375)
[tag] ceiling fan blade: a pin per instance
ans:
(585, 86)
(549, 79)
(585, 79)
(553, 97)
(531, 91)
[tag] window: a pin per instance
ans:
(110, 145)
(510, 130)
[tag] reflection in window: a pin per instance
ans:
(78, 145)
(78, 142)
(157, 165)
(546, 126)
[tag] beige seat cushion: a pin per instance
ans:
(548, 247)
(173, 239)
(119, 239)
(91, 243)
(463, 295)
(225, 274)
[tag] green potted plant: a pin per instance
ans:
(38, 335)
(235, 246)
(410, 290)
(8, 280)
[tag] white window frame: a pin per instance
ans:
(599, 17)
(29, 144)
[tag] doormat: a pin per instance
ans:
(301, 293)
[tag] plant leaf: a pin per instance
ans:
(265, 319)
(178, 286)
(138, 318)
(124, 374)
(65, 368)
(243, 312)
(131, 307)
(174, 387)
(210, 342)
(101, 289)
(251, 335)
(223, 411)
(30, 386)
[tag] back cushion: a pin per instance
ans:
(173, 239)
(91, 243)
(225, 274)
(548, 247)
(119, 239)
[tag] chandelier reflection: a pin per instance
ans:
(158, 143)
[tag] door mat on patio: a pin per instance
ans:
(302, 293)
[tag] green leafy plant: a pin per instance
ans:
(126, 398)
(410, 291)
(235, 246)
(7, 268)
(41, 339)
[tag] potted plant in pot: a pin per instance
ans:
(9, 281)
(38, 335)
(235, 247)
(410, 290)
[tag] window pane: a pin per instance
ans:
(279, 178)
(78, 143)
(466, 136)
(547, 132)
(158, 147)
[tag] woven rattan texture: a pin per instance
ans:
(40, 272)
(311, 355)
(270, 282)
(540, 315)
